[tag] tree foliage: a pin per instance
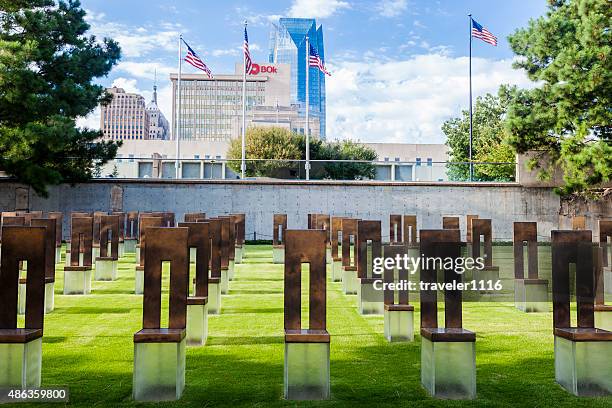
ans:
(272, 143)
(568, 115)
(488, 141)
(47, 64)
(286, 148)
(344, 150)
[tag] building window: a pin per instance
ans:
(418, 161)
(397, 159)
(131, 156)
(386, 159)
(429, 161)
(196, 156)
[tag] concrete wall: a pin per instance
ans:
(504, 203)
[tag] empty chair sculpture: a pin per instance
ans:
(349, 262)
(131, 232)
(197, 304)
(369, 300)
(450, 223)
(468, 227)
(582, 363)
(106, 263)
(306, 350)
(448, 354)
(410, 231)
(403, 230)
(231, 246)
(578, 222)
(399, 320)
(145, 223)
(225, 253)
(121, 247)
(21, 348)
(530, 292)
(322, 222)
(395, 229)
(59, 221)
(240, 220)
(194, 216)
(336, 231)
(97, 217)
(482, 227)
(77, 275)
(214, 282)
(50, 237)
(278, 238)
(603, 277)
(159, 353)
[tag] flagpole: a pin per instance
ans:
(178, 110)
(243, 154)
(307, 126)
(471, 138)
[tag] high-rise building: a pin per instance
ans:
(288, 46)
(212, 107)
(159, 128)
(125, 117)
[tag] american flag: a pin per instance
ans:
(248, 63)
(193, 59)
(482, 33)
(314, 60)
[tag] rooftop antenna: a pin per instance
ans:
(155, 88)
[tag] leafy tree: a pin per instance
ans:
(567, 117)
(265, 143)
(347, 150)
(47, 63)
(287, 147)
(488, 141)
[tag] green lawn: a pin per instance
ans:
(88, 347)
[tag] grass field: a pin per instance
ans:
(88, 347)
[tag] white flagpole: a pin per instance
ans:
(470, 154)
(243, 154)
(177, 136)
(307, 126)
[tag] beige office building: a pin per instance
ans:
(125, 117)
(211, 109)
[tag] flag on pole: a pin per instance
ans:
(315, 60)
(193, 59)
(248, 63)
(482, 33)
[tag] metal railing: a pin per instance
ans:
(341, 170)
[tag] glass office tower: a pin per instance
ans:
(288, 45)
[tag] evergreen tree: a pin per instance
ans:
(47, 64)
(567, 117)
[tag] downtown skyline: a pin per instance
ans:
(399, 68)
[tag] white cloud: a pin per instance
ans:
(146, 70)
(234, 51)
(129, 85)
(407, 100)
(317, 8)
(135, 41)
(253, 19)
(392, 8)
(91, 121)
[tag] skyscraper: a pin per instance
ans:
(288, 46)
(159, 128)
(125, 117)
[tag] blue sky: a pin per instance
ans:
(399, 67)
